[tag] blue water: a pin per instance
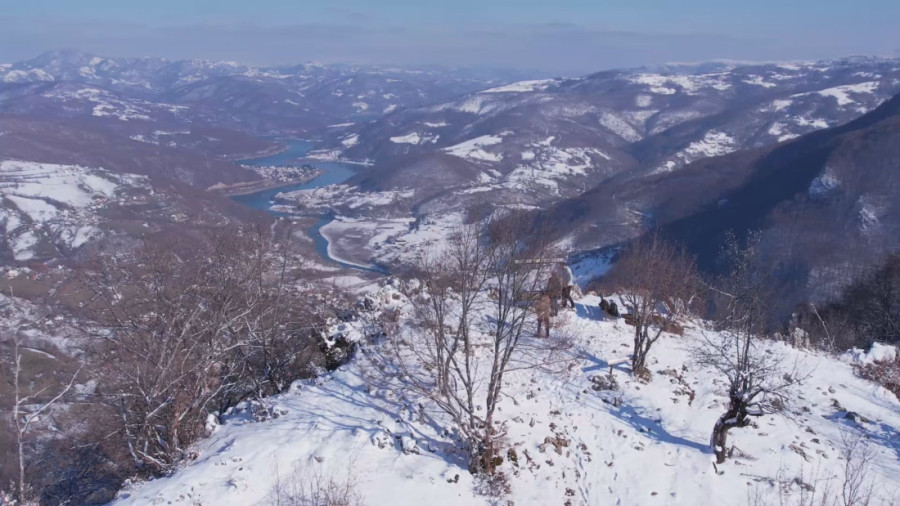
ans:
(332, 173)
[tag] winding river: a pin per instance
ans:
(332, 173)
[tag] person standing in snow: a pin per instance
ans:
(554, 291)
(542, 308)
(567, 281)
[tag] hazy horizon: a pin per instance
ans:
(566, 37)
(417, 65)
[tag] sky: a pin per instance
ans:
(562, 36)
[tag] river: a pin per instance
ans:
(332, 173)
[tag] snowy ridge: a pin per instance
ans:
(643, 445)
(713, 143)
(522, 86)
(103, 103)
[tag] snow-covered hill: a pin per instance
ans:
(568, 444)
(50, 209)
(275, 100)
(552, 137)
(534, 144)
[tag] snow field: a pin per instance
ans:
(54, 202)
(643, 445)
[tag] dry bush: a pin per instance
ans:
(853, 486)
(867, 312)
(189, 330)
(473, 324)
(307, 486)
(657, 282)
(884, 372)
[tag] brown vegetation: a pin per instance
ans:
(657, 282)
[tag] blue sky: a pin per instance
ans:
(565, 36)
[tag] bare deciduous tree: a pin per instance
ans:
(466, 339)
(310, 486)
(854, 485)
(758, 379)
(657, 282)
(189, 330)
(23, 418)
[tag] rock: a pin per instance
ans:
(856, 417)
(382, 440)
(513, 457)
(409, 445)
(604, 383)
(558, 444)
(262, 412)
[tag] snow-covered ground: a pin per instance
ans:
(546, 165)
(415, 138)
(105, 103)
(473, 149)
(522, 86)
(389, 241)
(644, 444)
(325, 198)
(714, 143)
(53, 203)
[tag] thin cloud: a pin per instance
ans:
(561, 47)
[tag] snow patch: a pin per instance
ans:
(473, 149)
(842, 93)
(522, 86)
(643, 100)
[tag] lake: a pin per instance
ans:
(332, 173)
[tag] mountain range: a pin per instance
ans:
(800, 150)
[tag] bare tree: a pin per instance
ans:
(757, 378)
(657, 283)
(857, 485)
(869, 309)
(188, 330)
(310, 486)
(24, 418)
(854, 484)
(465, 339)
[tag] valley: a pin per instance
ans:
(250, 282)
(327, 173)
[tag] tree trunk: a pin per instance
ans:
(21, 449)
(17, 420)
(734, 417)
(640, 352)
(485, 459)
(637, 356)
